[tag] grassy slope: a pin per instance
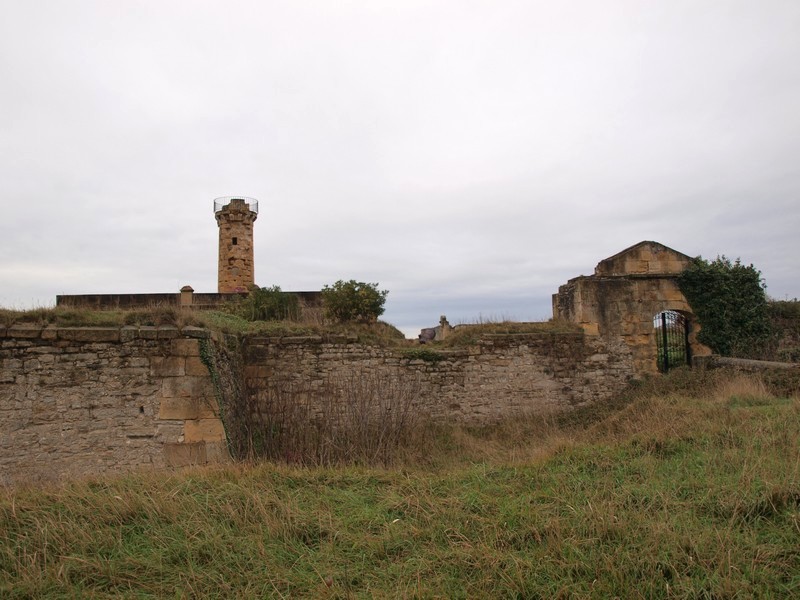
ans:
(687, 490)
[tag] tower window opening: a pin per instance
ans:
(235, 241)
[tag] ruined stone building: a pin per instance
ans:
(634, 296)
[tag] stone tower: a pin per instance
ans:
(235, 217)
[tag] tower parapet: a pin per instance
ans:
(235, 217)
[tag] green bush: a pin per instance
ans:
(353, 301)
(730, 302)
(269, 304)
(785, 309)
(785, 321)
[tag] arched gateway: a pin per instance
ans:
(625, 296)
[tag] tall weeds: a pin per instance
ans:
(358, 417)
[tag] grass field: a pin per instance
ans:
(688, 487)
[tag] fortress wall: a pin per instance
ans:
(196, 300)
(88, 401)
(500, 377)
(84, 401)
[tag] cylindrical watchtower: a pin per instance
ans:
(235, 217)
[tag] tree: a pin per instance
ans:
(730, 302)
(353, 301)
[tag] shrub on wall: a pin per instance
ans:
(353, 301)
(270, 304)
(730, 302)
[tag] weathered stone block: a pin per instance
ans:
(167, 366)
(32, 364)
(203, 430)
(173, 409)
(191, 387)
(147, 332)
(168, 332)
(207, 408)
(128, 333)
(169, 431)
(89, 334)
(185, 347)
(598, 358)
(43, 350)
(673, 266)
(12, 364)
(217, 452)
(196, 367)
(140, 433)
(137, 362)
(195, 332)
(302, 339)
(23, 331)
(185, 455)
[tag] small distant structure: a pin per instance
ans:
(235, 217)
(435, 334)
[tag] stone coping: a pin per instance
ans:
(487, 338)
(166, 332)
(287, 340)
(597, 277)
(101, 334)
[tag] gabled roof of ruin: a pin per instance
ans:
(642, 243)
(625, 262)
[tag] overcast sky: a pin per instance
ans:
(469, 156)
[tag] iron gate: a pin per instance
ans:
(672, 340)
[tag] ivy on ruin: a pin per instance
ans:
(730, 301)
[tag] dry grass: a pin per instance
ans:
(84, 317)
(689, 487)
(470, 334)
(312, 322)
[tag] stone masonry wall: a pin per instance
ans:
(500, 377)
(87, 401)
